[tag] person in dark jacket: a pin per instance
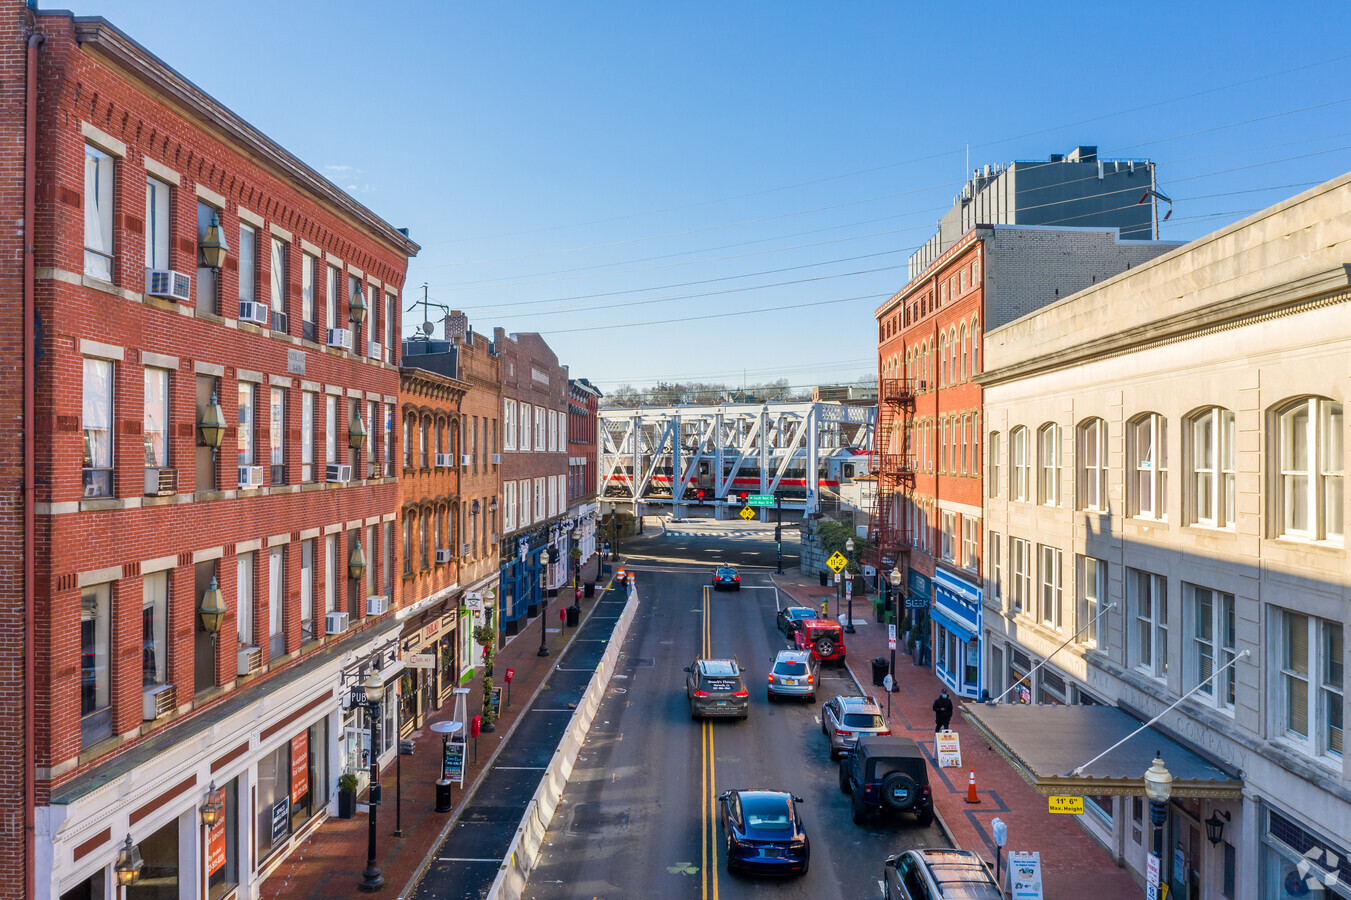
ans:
(942, 712)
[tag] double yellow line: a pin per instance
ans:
(708, 803)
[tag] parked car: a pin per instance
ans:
(929, 874)
(823, 637)
(726, 577)
(886, 775)
(789, 617)
(845, 719)
(764, 832)
(793, 674)
(715, 688)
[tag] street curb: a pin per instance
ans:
(472, 790)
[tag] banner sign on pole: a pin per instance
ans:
(948, 746)
(1025, 875)
(891, 636)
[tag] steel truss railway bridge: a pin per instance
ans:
(678, 457)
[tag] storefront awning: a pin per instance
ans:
(1047, 743)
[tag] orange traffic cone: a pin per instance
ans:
(971, 788)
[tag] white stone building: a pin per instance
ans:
(1172, 441)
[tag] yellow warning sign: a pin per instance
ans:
(747, 513)
(837, 562)
(1070, 806)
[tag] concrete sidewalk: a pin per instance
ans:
(329, 861)
(1073, 864)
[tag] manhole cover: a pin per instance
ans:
(643, 662)
(588, 818)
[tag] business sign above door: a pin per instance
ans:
(918, 584)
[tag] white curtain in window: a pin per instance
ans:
(154, 629)
(306, 581)
(97, 411)
(248, 262)
(278, 294)
(244, 598)
(275, 598)
(98, 213)
(156, 424)
(307, 288)
(157, 224)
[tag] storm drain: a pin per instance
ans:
(589, 818)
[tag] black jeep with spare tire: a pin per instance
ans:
(887, 775)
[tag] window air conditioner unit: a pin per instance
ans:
(168, 285)
(156, 702)
(445, 461)
(335, 623)
(279, 322)
(443, 556)
(161, 482)
(338, 472)
(466, 460)
(375, 350)
(250, 660)
(340, 337)
(250, 476)
(376, 605)
(497, 459)
(249, 311)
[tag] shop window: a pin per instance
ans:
(96, 720)
(159, 865)
(272, 814)
(309, 774)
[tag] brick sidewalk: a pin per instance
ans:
(1073, 864)
(329, 862)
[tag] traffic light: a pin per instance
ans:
(744, 497)
(701, 496)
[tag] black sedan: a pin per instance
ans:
(764, 832)
(726, 577)
(789, 616)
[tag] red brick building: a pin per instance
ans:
(583, 476)
(143, 698)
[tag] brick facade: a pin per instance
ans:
(102, 529)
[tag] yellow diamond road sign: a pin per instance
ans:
(747, 513)
(837, 562)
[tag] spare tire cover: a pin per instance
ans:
(899, 791)
(825, 646)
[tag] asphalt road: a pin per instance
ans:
(637, 818)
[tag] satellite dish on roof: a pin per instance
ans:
(428, 327)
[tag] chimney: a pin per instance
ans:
(456, 325)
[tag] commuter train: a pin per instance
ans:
(839, 466)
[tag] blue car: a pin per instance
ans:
(725, 577)
(764, 832)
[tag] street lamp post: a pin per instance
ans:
(576, 568)
(849, 590)
(371, 878)
(1158, 788)
(895, 579)
(543, 601)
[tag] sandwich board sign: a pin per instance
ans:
(948, 746)
(1025, 876)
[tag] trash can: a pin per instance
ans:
(589, 589)
(443, 803)
(574, 613)
(824, 583)
(880, 669)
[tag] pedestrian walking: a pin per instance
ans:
(942, 712)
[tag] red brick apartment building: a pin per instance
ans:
(213, 562)
(929, 424)
(583, 475)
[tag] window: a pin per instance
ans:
(372, 317)
(525, 427)
(387, 551)
(389, 439)
(422, 537)
(1212, 644)
(541, 430)
(276, 422)
(278, 291)
(1148, 602)
(1048, 476)
(391, 300)
(943, 446)
(524, 516)
(333, 288)
(942, 360)
(330, 573)
(1093, 465)
(307, 632)
(276, 597)
(540, 500)
(307, 436)
(408, 545)
(1149, 462)
(508, 506)
(307, 295)
(372, 417)
(248, 263)
(98, 213)
(330, 428)
(438, 544)
(964, 426)
(995, 446)
(1051, 581)
(157, 224)
(225, 834)
(207, 299)
(965, 342)
(509, 424)
(96, 721)
(1312, 682)
(975, 348)
(1092, 589)
(407, 443)
(423, 426)
(154, 629)
(97, 413)
(1210, 457)
(949, 529)
(156, 420)
(1021, 471)
(244, 598)
(996, 568)
(1311, 448)
(1021, 552)
(245, 444)
(970, 538)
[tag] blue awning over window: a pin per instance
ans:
(953, 624)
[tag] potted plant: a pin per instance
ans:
(487, 721)
(347, 795)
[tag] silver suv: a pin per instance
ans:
(845, 718)
(927, 874)
(793, 674)
(715, 688)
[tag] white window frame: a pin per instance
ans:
(1093, 464)
(1311, 459)
(156, 417)
(1091, 578)
(247, 416)
(524, 509)
(307, 266)
(98, 406)
(330, 573)
(155, 597)
(307, 589)
(330, 429)
(1020, 467)
(540, 503)
(248, 262)
(1210, 644)
(277, 271)
(508, 506)
(1211, 452)
(1050, 469)
(1148, 446)
(996, 553)
(307, 436)
(100, 197)
(1051, 612)
(541, 430)
(509, 424)
(244, 580)
(1322, 687)
(333, 286)
(1153, 622)
(949, 521)
(970, 543)
(158, 225)
(1020, 551)
(993, 445)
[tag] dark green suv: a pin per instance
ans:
(886, 775)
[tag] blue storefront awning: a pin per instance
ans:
(954, 625)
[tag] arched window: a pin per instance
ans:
(1049, 471)
(408, 543)
(1148, 446)
(407, 442)
(1092, 452)
(962, 338)
(1209, 457)
(1311, 468)
(1019, 465)
(995, 468)
(942, 361)
(952, 356)
(975, 347)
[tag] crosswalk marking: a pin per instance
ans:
(721, 534)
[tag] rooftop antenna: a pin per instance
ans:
(424, 331)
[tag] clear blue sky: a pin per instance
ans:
(571, 166)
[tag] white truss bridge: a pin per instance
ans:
(678, 457)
